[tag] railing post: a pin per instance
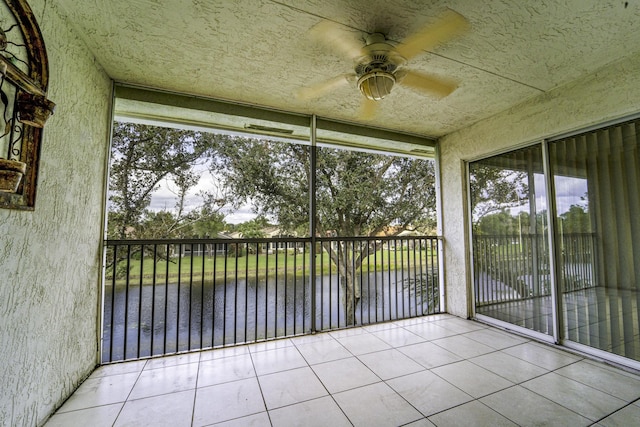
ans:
(441, 278)
(312, 221)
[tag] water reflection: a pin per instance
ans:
(175, 317)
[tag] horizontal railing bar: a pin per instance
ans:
(195, 241)
(112, 242)
(527, 235)
(120, 242)
(374, 238)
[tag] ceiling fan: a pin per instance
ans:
(379, 65)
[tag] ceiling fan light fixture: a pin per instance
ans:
(375, 85)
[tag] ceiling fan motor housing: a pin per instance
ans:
(375, 85)
(375, 70)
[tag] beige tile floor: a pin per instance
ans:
(437, 370)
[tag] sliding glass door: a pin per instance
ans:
(510, 243)
(596, 176)
(588, 293)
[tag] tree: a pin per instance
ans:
(142, 157)
(576, 220)
(207, 222)
(357, 194)
(494, 189)
(500, 223)
(253, 229)
(201, 222)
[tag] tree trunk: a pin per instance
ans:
(347, 263)
(350, 296)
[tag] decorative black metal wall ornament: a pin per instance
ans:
(24, 107)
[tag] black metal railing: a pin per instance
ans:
(516, 267)
(577, 261)
(170, 296)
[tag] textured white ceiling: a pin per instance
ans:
(259, 51)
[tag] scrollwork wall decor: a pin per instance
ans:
(24, 107)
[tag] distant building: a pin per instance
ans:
(206, 249)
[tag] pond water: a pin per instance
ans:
(141, 321)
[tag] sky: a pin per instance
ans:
(568, 192)
(165, 198)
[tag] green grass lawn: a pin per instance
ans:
(261, 265)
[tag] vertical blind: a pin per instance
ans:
(605, 312)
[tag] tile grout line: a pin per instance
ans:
(424, 369)
(588, 385)
(413, 373)
(266, 409)
(477, 399)
(329, 394)
(195, 392)
(357, 357)
(366, 385)
(586, 360)
(466, 403)
(546, 398)
(129, 394)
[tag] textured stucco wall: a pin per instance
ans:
(49, 258)
(611, 93)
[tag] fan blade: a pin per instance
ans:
(337, 37)
(448, 25)
(319, 89)
(368, 108)
(431, 85)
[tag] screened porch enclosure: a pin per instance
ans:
(572, 270)
(319, 225)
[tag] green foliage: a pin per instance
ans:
(288, 262)
(496, 189)
(356, 194)
(576, 220)
(273, 176)
(501, 223)
(141, 157)
(156, 225)
(205, 222)
(253, 229)
(504, 223)
(363, 193)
